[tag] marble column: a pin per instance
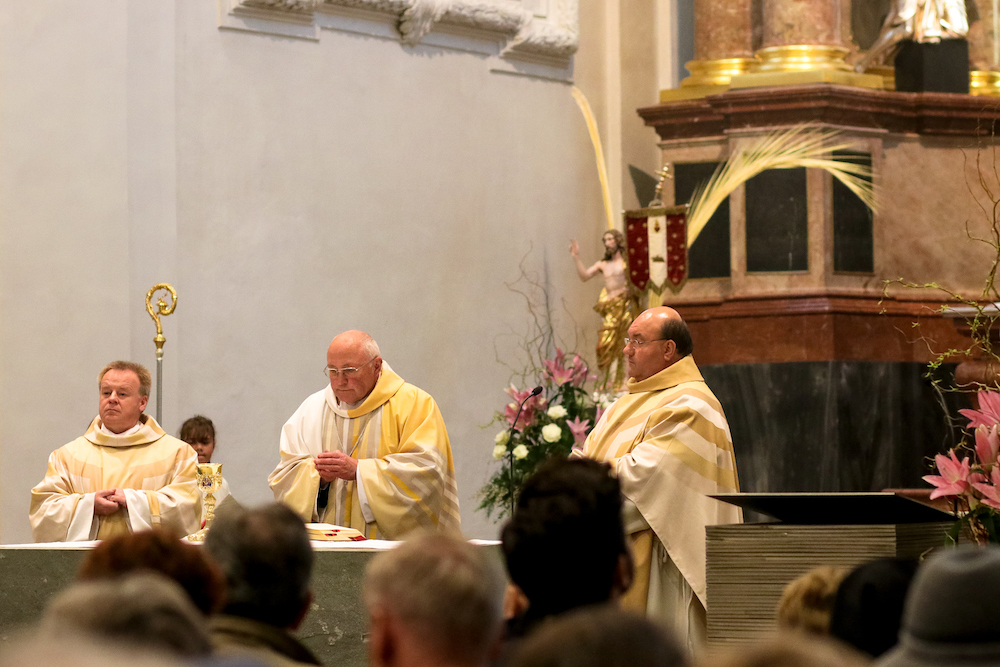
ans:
(723, 48)
(803, 35)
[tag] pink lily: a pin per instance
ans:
(560, 358)
(561, 375)
(988, 413)
(991, 494)
(579, 430)
(987, 446)
(530, 407)
(954, 478)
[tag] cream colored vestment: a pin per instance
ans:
(669, 444)
(155, 470)
(405, 466)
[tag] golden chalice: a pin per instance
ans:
(209, 481)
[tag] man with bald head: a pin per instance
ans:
(669, 443)
(369, 451)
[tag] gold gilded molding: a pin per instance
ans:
(985, 83)
(801, 57)
(715, 72)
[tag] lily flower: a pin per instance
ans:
(531, 406)
(990, 490)
(987, 446)
(578, 428)
(561, 376)
(954, 478)
(988, 413)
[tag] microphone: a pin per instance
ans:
(534, 392)
(510, 436)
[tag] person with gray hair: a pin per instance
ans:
(369, 451)
(267, 560)
(434, 600)
(143, 611)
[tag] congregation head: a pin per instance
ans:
(124, 392)
(435, 596)
(786, 649)
(949, 616)
(657, 339)
(806, 602)
(549, 544)
(868, 608)
(267, 561)
(158, 551)
(354, 365)
(140, 611)
(600, 636)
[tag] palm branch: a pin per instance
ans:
(805, 145)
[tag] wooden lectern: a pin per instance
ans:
(748, 565)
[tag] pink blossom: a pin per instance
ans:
(530, 407)
(991, 494)
(954, 478)
(987, 446)
(988, 413)
(579, 430)
(561, 375)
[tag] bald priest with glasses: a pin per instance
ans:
(369, 451)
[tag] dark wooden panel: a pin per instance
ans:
(777, 221)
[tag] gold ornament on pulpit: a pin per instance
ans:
(209, 481)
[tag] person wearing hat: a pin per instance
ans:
(950, 615)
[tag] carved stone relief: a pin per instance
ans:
(546, 30)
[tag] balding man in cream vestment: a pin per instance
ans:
(669, 443)
(123, 475)
(369, 451)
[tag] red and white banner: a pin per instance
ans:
(656, 239)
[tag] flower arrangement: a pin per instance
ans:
(972, 483)
(551, 424)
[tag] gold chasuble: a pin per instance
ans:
(155, 471)
(669, 444)
(406, 476)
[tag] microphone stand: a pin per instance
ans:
(510, 438)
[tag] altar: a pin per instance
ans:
(335, 628)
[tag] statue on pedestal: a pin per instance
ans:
(919, 21)
(617, 305)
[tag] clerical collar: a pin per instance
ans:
(350, 406)
(135, 429)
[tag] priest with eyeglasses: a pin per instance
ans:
(369, 451)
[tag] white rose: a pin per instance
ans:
(551, 433)
(502, 438)
(499, 451)
(520, 452)
(556, 412)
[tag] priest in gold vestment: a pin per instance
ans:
(369, 451)
(669, 443)
(123, 475)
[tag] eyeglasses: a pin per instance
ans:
(640, 343)
(348, 372)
